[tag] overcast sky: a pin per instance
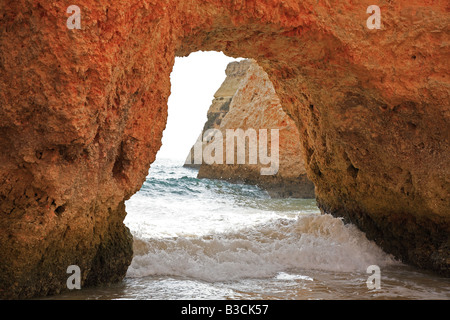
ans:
(194, 80)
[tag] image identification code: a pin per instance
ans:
(230, 309)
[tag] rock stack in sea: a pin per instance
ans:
(247, 100)
(235, 72)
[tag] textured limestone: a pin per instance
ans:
(82, 114)
(220, 105)
(254, 106)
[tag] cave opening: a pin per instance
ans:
(203, 86)
(178, 212)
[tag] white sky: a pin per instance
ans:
(194, 81)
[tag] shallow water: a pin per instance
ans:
(208, 239)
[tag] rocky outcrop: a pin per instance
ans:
(82, 113)
(220, 105)
(255, 106)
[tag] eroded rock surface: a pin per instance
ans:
(82, 114)
(254, 106)
(235, 73)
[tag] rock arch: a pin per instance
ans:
(83, 110)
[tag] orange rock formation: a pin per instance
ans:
(252, 105)
(235, 73)
(82, 113)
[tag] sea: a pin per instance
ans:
(202, 239)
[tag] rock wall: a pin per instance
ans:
(220, 105)
(82, 113)
(254, 106)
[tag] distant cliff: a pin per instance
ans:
(235, 72)
(247, 100)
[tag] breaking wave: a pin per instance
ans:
(319, 242)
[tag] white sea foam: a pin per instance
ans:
(319, 242)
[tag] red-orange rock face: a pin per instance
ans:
(82, 114)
